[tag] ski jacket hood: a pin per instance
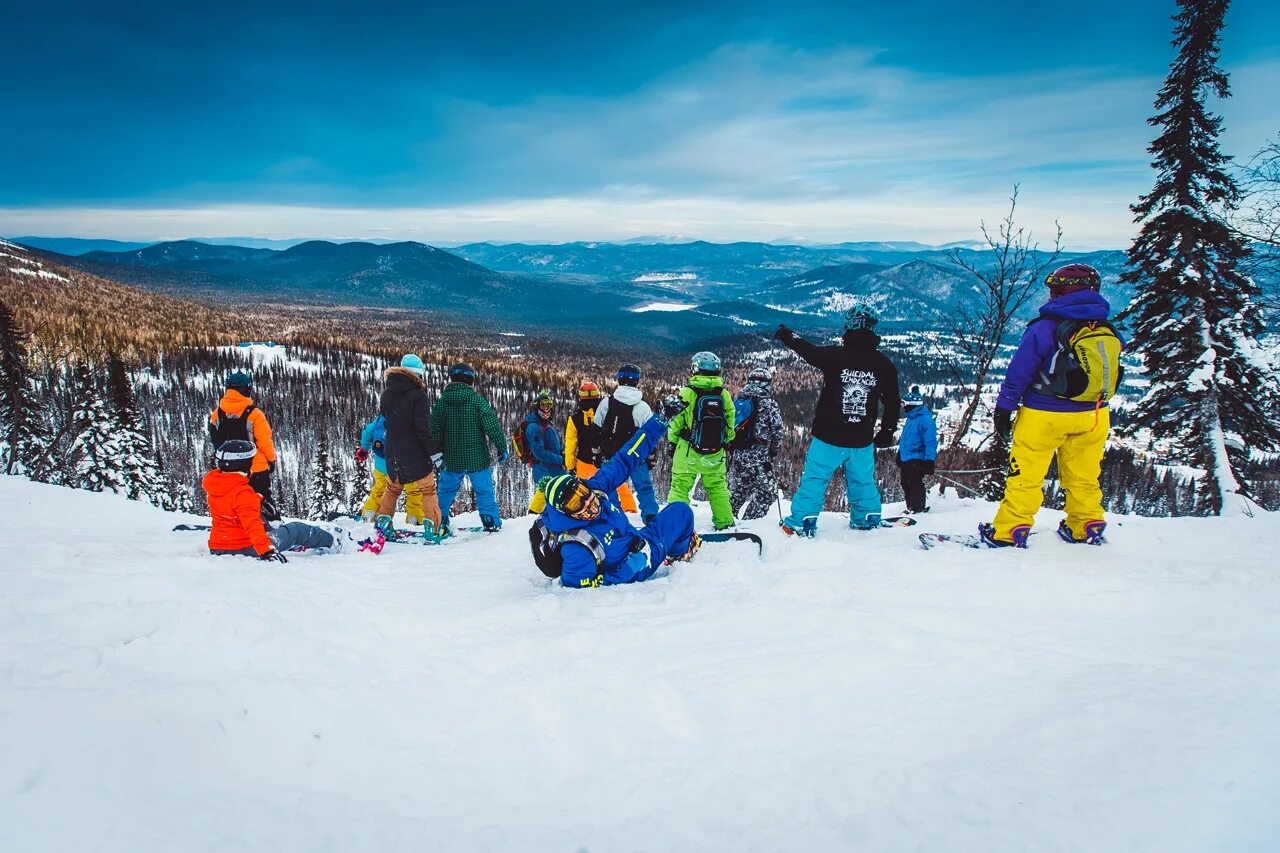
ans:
(1038, 344)
(701, 382)
(627, 394)
(401, 374)
(236, 511)
(756, 389)
(861, 339)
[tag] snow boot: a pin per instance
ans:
(694, 544)
(987, 533)
(491, 524)
(870, 522)
(1093, 533)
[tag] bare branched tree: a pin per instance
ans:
(1007, 276)
(1258, 217)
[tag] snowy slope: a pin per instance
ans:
(852, 692)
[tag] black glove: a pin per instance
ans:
(884, 438)
(271, 467)
(784, 333)
(768, 466)
(672, 406)
(928, 466)
(651, 460)
(671, 450)
(275, 555)
(1003, 420)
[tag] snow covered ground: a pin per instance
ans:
(851, 692)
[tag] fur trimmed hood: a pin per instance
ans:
(411, 375)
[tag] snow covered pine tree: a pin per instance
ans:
(1195, 320)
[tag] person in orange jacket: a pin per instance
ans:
(236, 510)
(238, 417)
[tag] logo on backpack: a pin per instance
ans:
(1086, 365)
(706, 433)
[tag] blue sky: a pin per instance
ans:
(516, 121)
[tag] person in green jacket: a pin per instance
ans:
(700, 434)
(465, 424)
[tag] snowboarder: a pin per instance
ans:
(581, 435)
(412, 454)
(583, 536)
(1065, 370)
(544, 446)
(917, 449)
(236, 510)
(859, 383)
(465, 424)
(237, 416)
(619, 415)
(757, 441)
(373, 442)
(700, 434)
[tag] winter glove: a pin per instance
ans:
(671, 451)
(362, 455)
(672, 406)
(784, 333)
(884, 438)
(768, 466)
(271, 467)
(928, 466)
(1003, 420)
(273, 555)
(504, 457)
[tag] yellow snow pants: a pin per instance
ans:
(412, 499)
(1079, 439)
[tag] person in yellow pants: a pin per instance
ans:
(1061, 401)
(373, 444)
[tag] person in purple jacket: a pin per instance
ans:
(1057, 418)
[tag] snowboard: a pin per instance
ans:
(734, 536)
(898, 521)
(964, 540)
(415, 537)
(178, 527)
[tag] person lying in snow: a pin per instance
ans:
(584, 538)
(236, 510)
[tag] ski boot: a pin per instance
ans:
(695, 542)
(1093, 533)
(1019, 534)
(870, 522)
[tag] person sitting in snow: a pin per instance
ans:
(859, 384)
(584, 538)
(1065, 369)
(917, 449)
(236, 510)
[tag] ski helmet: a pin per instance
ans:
(1071, 278)
(240, 380)
(760, 374)
(236, 455)
(568, 493)
(462, 372)
(861, 315)
(543, 398)
(412, 362)
(588, 392)
(706, 363)
(628, 374)
(913, 398)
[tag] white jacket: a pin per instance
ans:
(628, 395)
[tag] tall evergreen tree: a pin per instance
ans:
(93, 460)
(143, 477)
(326, 494)
(24, 427)
(1195, 319)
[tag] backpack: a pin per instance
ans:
(589, 447)
(546, 548)
(619, 425)
(706, 431)
(378, 439)
(745, 409)
(1086, 365)
(521, 443)
(228, 427)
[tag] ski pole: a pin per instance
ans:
(958, 485)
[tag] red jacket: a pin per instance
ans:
(237, 513)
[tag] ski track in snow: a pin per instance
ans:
(850, 692)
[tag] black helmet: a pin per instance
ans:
(462, 372)
(628, 374)
(236, 455)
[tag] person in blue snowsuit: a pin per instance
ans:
(544, 443)
(585, 525)
(373, 443)
(917, 449)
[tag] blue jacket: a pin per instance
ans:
(545, 445)
(611, 527)
(1039, 343)
(376, 448)
(919, 437)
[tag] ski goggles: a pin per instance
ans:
(575, 498)
(237, 455)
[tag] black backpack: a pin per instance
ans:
(546, 548)
(706, 433)
(228, 427)
(619, 425)
(589, 449)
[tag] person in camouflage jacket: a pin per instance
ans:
(757, 442)
(466, 425)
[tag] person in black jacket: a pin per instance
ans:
(857, 383)
(411, 452)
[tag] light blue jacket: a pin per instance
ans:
(373, 438)
(919, 437)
